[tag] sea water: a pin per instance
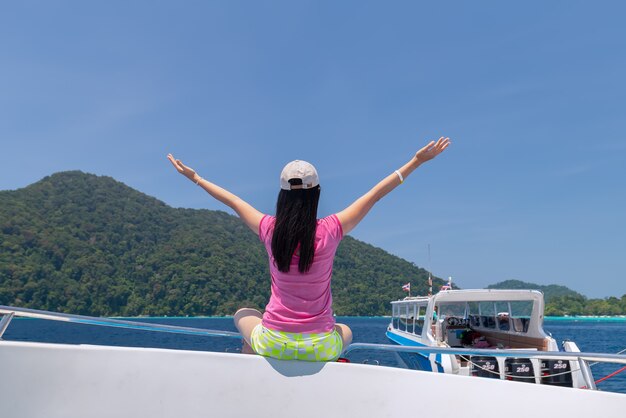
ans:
(599, 335)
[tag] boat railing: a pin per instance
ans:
(582, 358)
(8, 313)
(531, 354)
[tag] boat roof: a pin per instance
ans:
(478, 295)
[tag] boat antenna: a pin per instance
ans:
(430, 277)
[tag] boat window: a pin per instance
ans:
(488, 321)
(487, 314)
(503, 316)
(404, 317)
(522, 308)
(474, 314)
(486, 308)
(520, 315)
(419, 321)
(472, 308)
(395, 316)
(474, 320)
(456, 309)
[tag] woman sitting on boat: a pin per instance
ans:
(298, 322)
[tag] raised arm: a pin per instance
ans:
(246, 212)
(353, 214)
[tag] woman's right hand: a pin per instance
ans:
(249, 214)
(188, 172)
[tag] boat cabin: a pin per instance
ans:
(474, 318)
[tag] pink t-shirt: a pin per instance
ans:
(301, 302)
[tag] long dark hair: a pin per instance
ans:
(296, 220)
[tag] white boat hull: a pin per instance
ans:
(52, 380)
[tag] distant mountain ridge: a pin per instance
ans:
(550, 291)
(561, 300)
(86, 244)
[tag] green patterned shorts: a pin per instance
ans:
(294, 346)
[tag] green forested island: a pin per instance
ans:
(86, 244)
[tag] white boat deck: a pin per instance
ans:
(55, 380)
(87, 381)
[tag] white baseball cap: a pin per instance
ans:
(302, 170)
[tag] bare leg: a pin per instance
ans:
(345, 332)
(245, 321)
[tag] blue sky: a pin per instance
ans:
(532, 94)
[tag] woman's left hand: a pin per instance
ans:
(188, 172)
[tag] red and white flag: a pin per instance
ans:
(407, 287)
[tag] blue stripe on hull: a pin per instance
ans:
(415, 360)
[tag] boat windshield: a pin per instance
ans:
(498, 315)
(455, 309)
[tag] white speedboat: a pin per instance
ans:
(484, 322)
(61, 380)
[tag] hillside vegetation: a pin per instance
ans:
(80, 243)
(84, 244)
